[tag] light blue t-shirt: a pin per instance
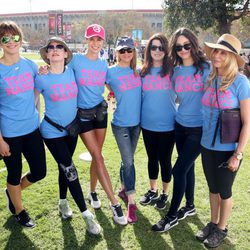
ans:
(158, 102)
(239, 90)
(60, 96)
(18, 115)
(127, 89)
(189, 89)
(90, 78)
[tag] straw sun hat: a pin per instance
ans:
(43, 50)
(228, 43)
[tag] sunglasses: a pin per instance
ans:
(52, 47)
(223, 165)
(154, 48)
(6, 39)
(186, 46)
(128, 50)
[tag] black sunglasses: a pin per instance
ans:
(223, 165)
(52, 47)
(186, 46)
(154, 48)
(128, 50)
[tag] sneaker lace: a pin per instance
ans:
(163, 221)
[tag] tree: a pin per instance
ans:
(219, 14)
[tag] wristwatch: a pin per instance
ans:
(239, 156)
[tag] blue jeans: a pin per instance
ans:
(188, 148)
(127, 138)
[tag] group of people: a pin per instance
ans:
(175, 99)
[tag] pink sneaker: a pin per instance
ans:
(123, 195)
(131, 216)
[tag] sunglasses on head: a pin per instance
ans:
(52, 47)
(6, 39)
(186, 46)
(128, 50)
(154, 48)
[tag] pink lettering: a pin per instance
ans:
(63, 92)
(189, 84)
(154, 83)
(92, 78)
(129, 82)
(18, 84)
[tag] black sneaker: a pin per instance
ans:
(185, 211)
(204, 232)
(24, 219)
(215, 238)
(161, 203)
(10, 204)
(149, 197)
(165, 224)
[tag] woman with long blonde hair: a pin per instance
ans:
(227, 89)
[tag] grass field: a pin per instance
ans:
(52, 232)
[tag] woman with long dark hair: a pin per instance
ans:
(157, 117)
(190, 73)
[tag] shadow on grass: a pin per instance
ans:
(146, 237)
(111, 231)
(17, 235)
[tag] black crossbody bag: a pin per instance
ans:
(74, 128)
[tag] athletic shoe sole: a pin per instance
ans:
(152, 200)
(165, 230)
(186, 215)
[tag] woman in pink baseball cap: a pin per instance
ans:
(90, 72)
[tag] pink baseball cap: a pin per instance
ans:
(95, 30)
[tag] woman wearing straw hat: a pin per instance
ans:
(226, 89)
(90, 73)
(19, 121)
(59, 90)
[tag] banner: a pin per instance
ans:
(137, 35)
(52, 24)
(68, 31)
(59, 24)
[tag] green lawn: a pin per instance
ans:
(52, 232)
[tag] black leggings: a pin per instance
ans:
(62, 149)
(159, 147)
(219, 180)
(31, 145)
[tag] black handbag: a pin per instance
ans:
(97, 113)
(74, 128)
(230, 124)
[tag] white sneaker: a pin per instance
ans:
(64, 209)
(93, 200)
(92, 226)
(118, 216)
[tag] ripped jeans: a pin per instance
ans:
(127, 138)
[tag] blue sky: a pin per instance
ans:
(22, 6)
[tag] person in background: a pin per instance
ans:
(226, 89)
(191, 71)
(157, 117)
(59, 90)
(124, 80)
(19, 121)
(90, 72)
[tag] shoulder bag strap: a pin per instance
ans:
(59, 127)
(218, 120)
